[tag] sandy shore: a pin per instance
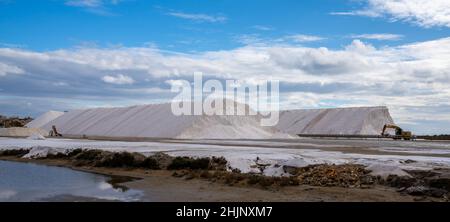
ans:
(160, 185)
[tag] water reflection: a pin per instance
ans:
(32, 182)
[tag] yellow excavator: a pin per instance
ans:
(399, 132)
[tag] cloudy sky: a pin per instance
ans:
(62, 55)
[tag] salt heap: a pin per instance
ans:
(339, 121)
(44, 119)
(36, 136)
(158, 121)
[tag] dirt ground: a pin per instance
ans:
(160, 185)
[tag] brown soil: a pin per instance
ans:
(161, 185)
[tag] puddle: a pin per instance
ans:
(24, 182)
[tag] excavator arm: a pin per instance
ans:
(399, 132)
(390, 126)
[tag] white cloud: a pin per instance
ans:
(119, 79)
(257, 40)
(251, 39)
(11, 45)
(412, 79)
(85, 3)
(425, 13)
(304, 38)
(262, 28)
(378, 36)
(367, 13)
(7, 194)
(199, 17)
(60, 84)
(98, 7)
(6, 69)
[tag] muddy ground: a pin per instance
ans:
(161, 185)
(186, 185)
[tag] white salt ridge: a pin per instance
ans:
(44, 119)
(36, 136)
(158, 121)
(243, 156)
(42, 152)
(339, 121)
(384, 171)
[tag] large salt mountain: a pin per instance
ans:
(158, 121)
(338, 121)
(44, 119)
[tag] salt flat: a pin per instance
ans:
(382, 156)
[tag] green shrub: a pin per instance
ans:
(253, 179)
(17, 153)
(123, 159)
(218, 163)
(74, 152)
(90, 155)
(189, 163)
(150, 163)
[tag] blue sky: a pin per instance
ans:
(68, 54)
(50, 25)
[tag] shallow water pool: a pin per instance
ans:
(23, 182)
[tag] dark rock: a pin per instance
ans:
(290, 169)
(122, 159)
(189, 163)
(435, 192)
(399, 181)
(401, 189)
(439, 182)
(408, 161)
(416, 190)
(14, 152)
(421, 174)
(74, 152)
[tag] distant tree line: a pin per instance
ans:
(435, 137)
(13, 121)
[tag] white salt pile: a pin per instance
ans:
(44, 119)
(42, 151)
(158, 121)
(344, 121)
(36, 136)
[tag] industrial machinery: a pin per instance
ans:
(399, 132)
(54, 132)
